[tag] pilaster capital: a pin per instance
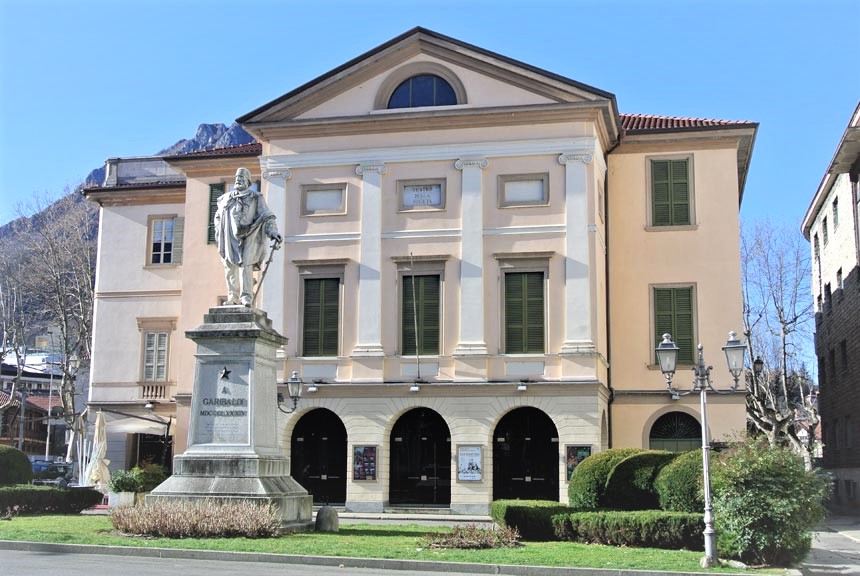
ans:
(471, 163)
(379, 167)
(280, 174)
(584, 157)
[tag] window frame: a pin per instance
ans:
(835, 205)
(157, 326)
(400, 75)
(319, 270)
(213, 207)
(509, 263)
(655, 338)
(443, 196)
(176, 244)
(825, 234)
(503, 179)
(649, 184)
(423, 266)
(318, 187)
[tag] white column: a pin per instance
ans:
(370, 264)
(578, 336)
(274, 287)
(472, 258)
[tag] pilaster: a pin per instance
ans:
(273, 291)
(370, 261)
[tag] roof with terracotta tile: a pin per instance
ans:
(250, 149)
(637, 123)
(40, 402)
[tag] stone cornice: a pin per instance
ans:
(172, 194)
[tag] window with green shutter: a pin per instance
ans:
(420, 308)
(673, 314)
(670, 193)
(321, 317)
(215, 190)
(524, 313)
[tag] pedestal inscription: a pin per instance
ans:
(223, 406)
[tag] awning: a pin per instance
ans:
(120, 425)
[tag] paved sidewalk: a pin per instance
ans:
(835, 548)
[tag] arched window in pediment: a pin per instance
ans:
(420, 84)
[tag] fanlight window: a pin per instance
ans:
(676, 432)
(423, 90)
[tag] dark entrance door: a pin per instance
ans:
(525, 456)
(420, 460)
(318, 460)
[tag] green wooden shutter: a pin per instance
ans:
(215, 190)
(673, 314)
(670, 193)
(524, 313)
(178, 239)
(321, 317)
(427, 308)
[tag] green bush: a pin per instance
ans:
(588, 480)
(532, 518)
(24, 499)
(679, 483)
(15, 467)
(765, 503)
(640, 528)
(202, 519)
(151, 475)
(630, 485)
(125, 481)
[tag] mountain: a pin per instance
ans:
(208, 136)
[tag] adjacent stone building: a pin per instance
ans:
(479, 256)
(831, 226)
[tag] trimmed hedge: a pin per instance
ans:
(640, 528)
(630, 485)
(137, 479)
(532, 518)
(588, 480)
(679, 483)
(15, 467)
(24, 499)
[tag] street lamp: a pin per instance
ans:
(667, 355)
(294, 389)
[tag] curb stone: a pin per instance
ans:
(350, 562)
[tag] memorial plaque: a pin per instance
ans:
(221, 409)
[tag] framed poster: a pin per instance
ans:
(364, 462)
(575, 455)
(470, 463)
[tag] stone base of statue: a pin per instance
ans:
(232, 440)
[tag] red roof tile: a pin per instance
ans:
(250, 149)
(649, 122)
(42, 401)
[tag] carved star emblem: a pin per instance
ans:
(225, 374)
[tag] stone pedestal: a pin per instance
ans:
(232, 437)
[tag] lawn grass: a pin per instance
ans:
(364, 541)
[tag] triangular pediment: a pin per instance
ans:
(481, 78)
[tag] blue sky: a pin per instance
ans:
(84, 80)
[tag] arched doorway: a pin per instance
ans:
(675, 432)
(525, 456)
(318, 456)
(420, 460)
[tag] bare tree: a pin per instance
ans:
(781, 403)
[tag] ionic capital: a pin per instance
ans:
(371, 167)
(584, 157)
(282, 174)
(471, 163)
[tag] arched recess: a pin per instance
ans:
(525, 456)
(318, 456)
(420, 461)
(676, 432)
(397, 77)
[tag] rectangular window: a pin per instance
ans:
(215, 191)
(162, 241)
(524, 313)
(839, 279)
(816, 247)
(420, 308)
(843, 355)
(421, 194)
(824, 233)
(835, 213)
(523, 190)
(321, 317)
(673, 314)
(323, 199)
(670, 193)
(155, 356)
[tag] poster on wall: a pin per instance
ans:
(364, 463)
(575, 455)
(470, 463)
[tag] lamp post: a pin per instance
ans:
(294, 389)
(667, 355)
